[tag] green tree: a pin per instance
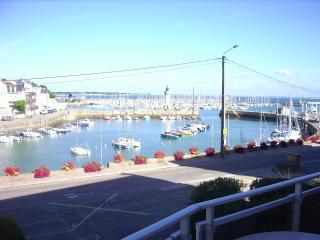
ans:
(52, 95)
(20, 106)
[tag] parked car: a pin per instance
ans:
(7, 118)
(43, 111)
(52, 110)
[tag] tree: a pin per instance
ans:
(52, 95)
(20, 106)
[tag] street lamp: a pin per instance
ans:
(223, 107)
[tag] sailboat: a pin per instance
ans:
(289, 127)
(79, 150)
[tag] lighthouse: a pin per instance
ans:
(167, 102)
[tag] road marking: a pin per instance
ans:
(94, 211)
(98, 208)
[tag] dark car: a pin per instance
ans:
(52, 110)
(7, 118)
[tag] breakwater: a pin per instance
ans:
(155, 114)
(36, 122)
(54, 119)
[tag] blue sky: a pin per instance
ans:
(278, 38)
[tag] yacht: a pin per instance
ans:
(86, 123)
(171, 135)
(48, 131)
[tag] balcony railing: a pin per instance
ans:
(206, 229)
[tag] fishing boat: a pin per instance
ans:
(48, 131)
(128, 143)
(171, 135)
(28, 133)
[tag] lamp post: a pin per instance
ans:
(223, 107)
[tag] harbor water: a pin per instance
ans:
(54, 151)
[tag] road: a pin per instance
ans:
(111, 207)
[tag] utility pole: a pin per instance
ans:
(224, 131)
(223, 114)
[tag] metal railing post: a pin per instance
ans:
(209, 223)
(297, 207)
(185, 228)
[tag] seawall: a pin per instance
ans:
(53, 119)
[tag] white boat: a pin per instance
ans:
(86, 123)
(80, 151)
(289, 128)
(14, 138)
(5, 139)
(47, 131)
(126, 143)
(28, 133)
(119, 118)
(70, 127)
(135, 118)
(146, 117)
(163, 118)
(128, 118)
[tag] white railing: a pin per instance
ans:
(206, 229)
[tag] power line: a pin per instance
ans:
(126, 75)
(123, 70)
(273, 78)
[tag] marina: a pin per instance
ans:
(53, 151)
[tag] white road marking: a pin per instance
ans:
(94, 211)
(98, 208)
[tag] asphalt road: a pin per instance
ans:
(112, 207)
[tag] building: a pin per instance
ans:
(36, 97)
(4, 100)
(167, 100)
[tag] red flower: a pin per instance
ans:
(118, 158)
(92, 167)
(41, 172)
(68, 166)
(12, 171)
(239, 148)
(251, 145)
(273, 143)
(139, 160)
(193, 150)
(159, 154)
(178, 155)
(209, 151)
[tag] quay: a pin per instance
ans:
(62, 116)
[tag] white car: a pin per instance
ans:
(43, 111)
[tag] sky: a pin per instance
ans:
(50, 38)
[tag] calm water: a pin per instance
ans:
(54, 151)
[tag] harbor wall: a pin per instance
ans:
(36, 122)
(140, 113)
(53, 119)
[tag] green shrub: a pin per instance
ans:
(217, 188)
(272, 195)
(9, 230)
